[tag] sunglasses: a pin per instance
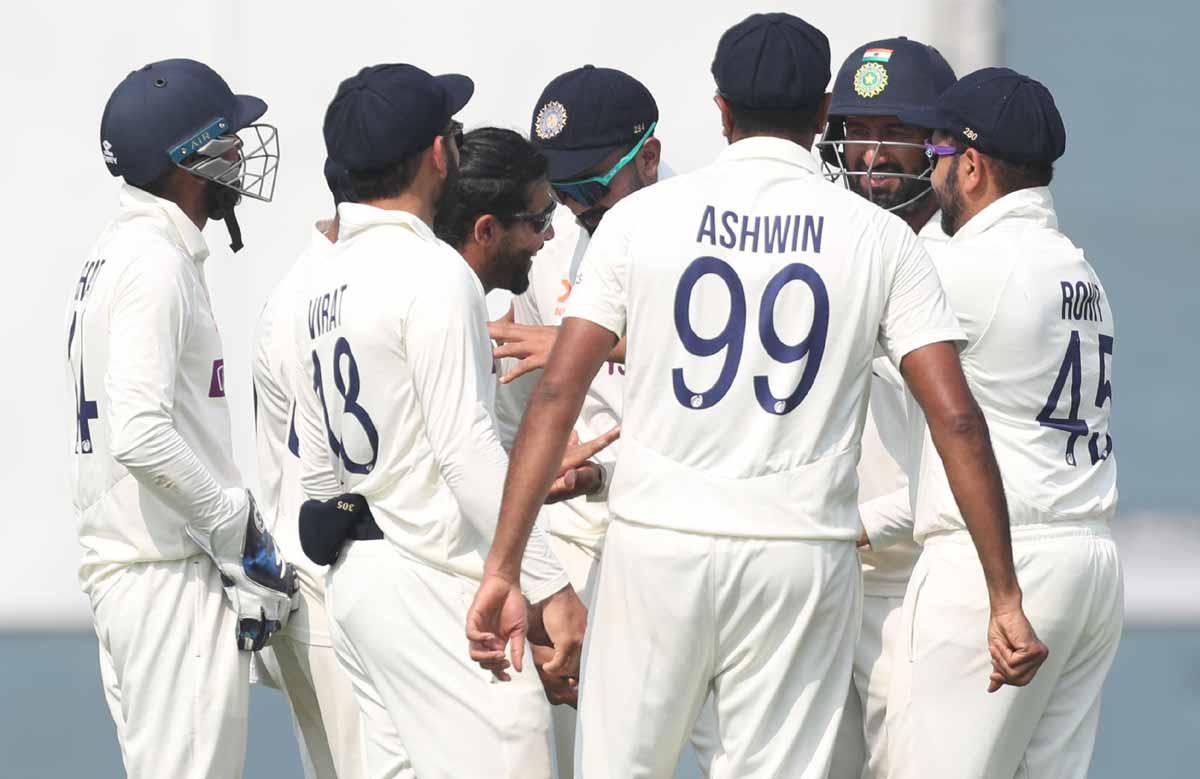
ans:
(541, 220)
(455, 131)
(935, 151)
(590, 191)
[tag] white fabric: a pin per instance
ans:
(942, 722)
(176, 685)
(277, 442)
(767, 627)
(152, 450)
(414, 680)
(691, 461)
(1006, 273)
(583, 566)
(551, 280)
(862, 740)
(301, 660)
(409, 397)
(325, 713)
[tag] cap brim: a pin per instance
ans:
(569, 164)
(458, 89)
(928, 117)
(249, 110)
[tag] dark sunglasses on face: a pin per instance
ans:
(541, 220)
(590, 191)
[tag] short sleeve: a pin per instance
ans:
(916, 312)
(973, 292)
(600, 294)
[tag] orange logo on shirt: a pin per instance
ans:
(566, 286)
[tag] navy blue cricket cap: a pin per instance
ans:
(162, 105)
(387, 113)
(999, 112)
(885, 77)
(772, 61)
(585, 114)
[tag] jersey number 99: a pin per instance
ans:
(733, 334)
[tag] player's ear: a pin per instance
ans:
(440, 152)
(972, 172)
(486, 229)
(648, 159)
(726, 117)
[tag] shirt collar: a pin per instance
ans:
(358, 217)
(762, 147)
(178, 227)
(1033, 205)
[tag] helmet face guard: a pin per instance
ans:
(250, 170)
(832, 148)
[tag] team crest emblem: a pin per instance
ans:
(551, 120)
(870, 80)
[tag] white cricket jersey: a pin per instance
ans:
(1039, 362)
(398, 391)
(753, 293)
(152, 451)
(277, 441)
(551, 279)
(883, 495)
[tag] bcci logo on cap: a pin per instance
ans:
(551, 120)
(109, 157)
(870, 80)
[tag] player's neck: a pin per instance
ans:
(418, 206)
(804, 140)
(476, 257)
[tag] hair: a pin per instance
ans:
(801, 120)
(1011, 176)
(496, 168)
(385, 182)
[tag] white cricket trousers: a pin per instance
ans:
(943, 723)
(767, 627)
(399, 628)
(176, 685)
(582, 565)
(861, 748)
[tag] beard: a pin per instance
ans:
(511, 270)
(951, 201)
(903, 200)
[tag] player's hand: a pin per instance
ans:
(498, 616)
(1016, 651)
(577, 476)
(863, 539)
(565, 618)
(529, 344)
(560, 690)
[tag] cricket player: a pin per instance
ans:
(183, 577)
(596, 128)
(1038, 357)
(301, 661)
(868, 149)
(753, 294)
(397, 409)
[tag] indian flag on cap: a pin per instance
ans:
(877, 55)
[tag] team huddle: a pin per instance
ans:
(801, 457)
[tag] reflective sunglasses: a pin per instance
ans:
(590, 191)
(935, 151)
(542, 219)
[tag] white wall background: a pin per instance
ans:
(61, 60)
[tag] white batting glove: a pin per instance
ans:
(261, 587)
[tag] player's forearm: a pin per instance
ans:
(165, 466)
(537, 453)
(964, 445)
(887, 519)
